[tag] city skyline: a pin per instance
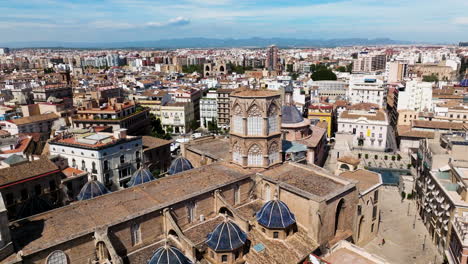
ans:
(142, 20)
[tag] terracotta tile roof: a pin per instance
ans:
(80, 218)
(350, 160)
(363, 106)
(378, 116)
(438, 125)
(307, 179)
(406, 131)
(153, 142)
(34, 118)
(313, 140)
(366, 179)
(25, 171)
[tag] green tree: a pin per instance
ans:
(349, 67)
(194, 125)
(289, 68)
(322, 74)
(192, 68)
(157, 129)
(213, 127)
(430, 78)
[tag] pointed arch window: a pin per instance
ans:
(254, 121)
(273, 153)
(238, 122)
(255, 157)
(273, 119)
(236, 153)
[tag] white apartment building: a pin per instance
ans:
(369, 128)
(366, 89)
(330, 88)
(176, 117)
(396, 71)
(31, 124)
(208, 108)
(111, 158)
(417, 96)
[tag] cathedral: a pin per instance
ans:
(253, 207)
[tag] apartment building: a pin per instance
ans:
(110, 157)
(209, 108)
(366, 89)
(415, 95)
(115, 113)
(441, 192)
(31, 124)
(223, 107)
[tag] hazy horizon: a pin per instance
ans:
(143, 20)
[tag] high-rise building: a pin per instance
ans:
(369, 62)
(396, 71)
(4, 51)
(272, 58)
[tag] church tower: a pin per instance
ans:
(255, 134)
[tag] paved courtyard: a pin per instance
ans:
(403, 244)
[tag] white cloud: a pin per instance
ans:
(178, 21)
(461, 20)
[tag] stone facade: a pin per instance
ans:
(255, 128)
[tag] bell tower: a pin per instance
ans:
(255, 135)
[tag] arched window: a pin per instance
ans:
(74, 163)
(122, 159)
(255, 157)
(254, 121)
(267, 192)
(83, 165)
(236, 153)
(273, 153)
(106, 165)
(57, 257)
(238, 122)
(136, 234)
(137, 156)
(272, 119)
(93, 167)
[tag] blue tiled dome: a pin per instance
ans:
(168, 255)
(92, 189)
(179, 165)
(464, 83)
(227, 236)
(140, 176)
(275, 214)
(291, 115)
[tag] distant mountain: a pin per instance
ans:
(210, 43)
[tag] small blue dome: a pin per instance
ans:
(91, 190)
(179, 165)
(464, 83)
(275, 214)
(168, 255)
(227, 236)
(140, 176)
(291, 115)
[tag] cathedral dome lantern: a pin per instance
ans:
(179, 165)
(275, 219)
(91, 190)
(226, 242)
(142, 175)
(168, 255)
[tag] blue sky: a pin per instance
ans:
(135, 20)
